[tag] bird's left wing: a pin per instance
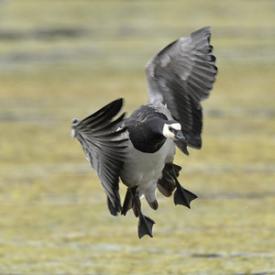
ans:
(104, 145)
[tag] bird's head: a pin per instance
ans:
(172, 129)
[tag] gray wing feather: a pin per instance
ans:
(180, 76)
(105, 147)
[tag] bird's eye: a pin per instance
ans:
(171, 129)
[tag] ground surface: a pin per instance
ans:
(60, 59)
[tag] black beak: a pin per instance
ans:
(181, 141)
(179, 136)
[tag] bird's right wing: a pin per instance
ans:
(105, 147)
(180, 76)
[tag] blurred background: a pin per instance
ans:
(63, 59)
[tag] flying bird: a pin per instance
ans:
(139, 150)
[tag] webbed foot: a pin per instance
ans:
(183, 196)
(145, 226)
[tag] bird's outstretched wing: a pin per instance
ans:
(103, 143)
(180, 76)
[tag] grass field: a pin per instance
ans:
(61, 59)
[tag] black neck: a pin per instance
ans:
(147, 136)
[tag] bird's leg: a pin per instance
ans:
(150, 195)
(183, 196)
(128, 202)
(145, 224)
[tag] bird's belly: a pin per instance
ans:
(141, 169)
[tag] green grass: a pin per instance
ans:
(54, 218)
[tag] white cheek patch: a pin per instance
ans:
(167, 133)
(176, 126)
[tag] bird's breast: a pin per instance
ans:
(142, 168)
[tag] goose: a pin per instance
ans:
(139, 150)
